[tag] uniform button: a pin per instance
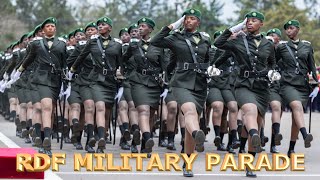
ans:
(102, 62)
(196, 54)
(49, 51)
(296, 51)
(296, 57)
(197, 47)
(257, 50)
(256, 57)
(145, 52)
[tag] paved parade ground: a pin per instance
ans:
(312, 158)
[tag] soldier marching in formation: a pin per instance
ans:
(89, 82)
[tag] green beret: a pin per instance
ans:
(123, 30)
(263, 33)
(65, 36)
(90, 24)
(133, 26)
(78, 30)
(192, 12)
(148, 21)
(36, 29)
(50, 20)
(22, 37)
(255, 14)
(14, 44)
(217, 34)
(274, 30)
(71, 34)
(105, 19)
(30, 34)
(292, 22)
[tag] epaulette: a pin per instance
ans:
(117, 40)
(24, 49)
(205, 34)
(61, 39)
(16, 50)
(37, 38)
(95, 36)
(70, 47)
(283, 42)
(82, 42)
(304, 41)
(9, 57)
(134, 40)
(213, 47)
(125, 44)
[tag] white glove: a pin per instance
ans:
(68, 91)
(238, 27)
(5, 76)
(314, 93)
(61, 91)
(3, 86)
(213, 71)
(1, 82)
(12, 74)
(164, 94)
(241, 33)
(16, 76)
(274, 75)
(119, 94)
(9, 83)
(178, 23)
(70, 74)
(270, 38)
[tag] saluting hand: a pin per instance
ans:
(238, 27)
(176, 24)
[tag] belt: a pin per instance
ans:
(105, 71)
(296, 71)
(47, 67)
(148, 72)
(253, 74)
(192, 66)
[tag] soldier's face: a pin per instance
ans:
(276, 38)
(134, 33)
(91, 31)
(80, 36)
(49, 29)
(104, 28)
(72, 40)
(253, 25)
(40, 33)
(144, 29)
(292, 32)
(191, 23)
(125, 37)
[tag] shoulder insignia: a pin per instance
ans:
(125, 44)
(37, 38)
(304, 41)
(94, 36)
(70, 47)
(205, 34)
(9, 57)
(213, 47)
(61, 39)
(134, 40)
(16, 50)
(283, 42)
(117, 40)
(82, 42)
(22, 50)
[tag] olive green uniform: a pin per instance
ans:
(145, 80)
(189, 82)
(251, 85)
(294, 80)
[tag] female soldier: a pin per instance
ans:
(275, 98)
(189, 84)
(297, 57)
(255, 55)
(51, 60)
(145, 87)
(106, 53)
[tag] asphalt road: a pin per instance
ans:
(312, 158)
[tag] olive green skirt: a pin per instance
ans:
(103, 93)
(183, 96)
(48, 92)
(12, 92)
(170, 97)
(258, 97)
(86, 92)
(216, 94)
(22, 95)
(127, 93)
(275, 92)
(75, 94)
(294, 93)
(143, 95)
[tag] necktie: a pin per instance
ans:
(50, 42)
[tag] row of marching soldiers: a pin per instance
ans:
(90, 81)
